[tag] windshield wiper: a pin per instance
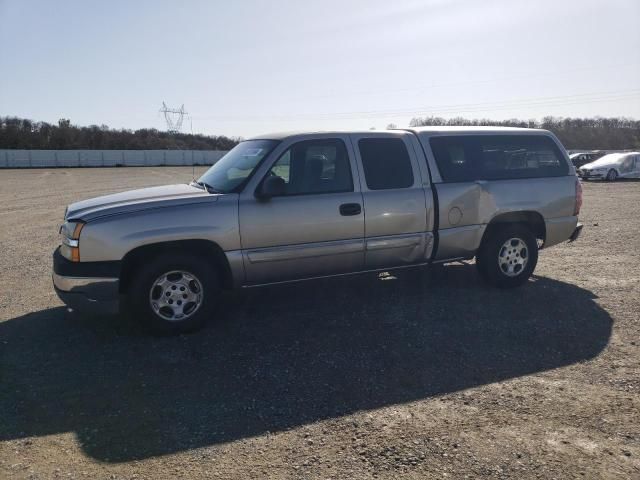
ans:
(205, 186)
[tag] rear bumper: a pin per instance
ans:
(559, 230)
(85, 287)
(576, 233)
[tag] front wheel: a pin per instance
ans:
(612, 175)
(508, 256)
(174, 293)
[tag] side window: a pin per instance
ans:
(519, 156)
(498, 157)
(282, 168)
(627, 165)
(454, 158)
(315, 166)
(386, 163)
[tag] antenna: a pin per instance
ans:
(174, 117)
(193, 165)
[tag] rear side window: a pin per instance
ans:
(386, 163)
(497, 157)
(454, 158)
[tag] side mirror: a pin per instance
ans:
(273, 186)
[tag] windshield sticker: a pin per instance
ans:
(253, 152)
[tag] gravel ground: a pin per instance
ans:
(427, 374)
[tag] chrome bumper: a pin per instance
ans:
(88, 294)
(83, 284)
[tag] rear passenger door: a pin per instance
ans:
(396, 214)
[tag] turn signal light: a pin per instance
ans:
(77, 230)
(70, 241)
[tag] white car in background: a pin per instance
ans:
(612, 167)
(582, 158)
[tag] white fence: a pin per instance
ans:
(106, 158)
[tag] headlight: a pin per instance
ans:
(70, 240)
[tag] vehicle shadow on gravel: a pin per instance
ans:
(281, 357)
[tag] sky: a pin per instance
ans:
(243, 68)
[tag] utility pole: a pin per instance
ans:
(174, 117)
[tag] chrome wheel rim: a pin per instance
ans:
(176, 295)
(513, 257)
(612, 175)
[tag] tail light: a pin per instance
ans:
(578, 197)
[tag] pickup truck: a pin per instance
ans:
(297, 206)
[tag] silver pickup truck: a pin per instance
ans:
(287, 207)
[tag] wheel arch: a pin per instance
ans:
(202, 248)
(615, 169)
(529, 218)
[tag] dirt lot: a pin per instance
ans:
(427, 375)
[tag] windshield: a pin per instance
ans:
(228, 173)
(608, 159)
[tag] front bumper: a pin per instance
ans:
(88, 287)
(591, 176)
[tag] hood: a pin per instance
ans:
(606, 161)
(136, 200)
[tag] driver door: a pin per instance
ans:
(316, 227)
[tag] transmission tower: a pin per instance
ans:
(173, 117)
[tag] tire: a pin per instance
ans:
(174, 293)
(508, 266)
(612, 175)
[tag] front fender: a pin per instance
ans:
(111, 238)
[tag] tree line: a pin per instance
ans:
(597, 133)
(20, 133)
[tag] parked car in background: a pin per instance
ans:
(288, 207)
(582, 158)
(612, 167)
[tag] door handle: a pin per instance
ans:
(347, 209)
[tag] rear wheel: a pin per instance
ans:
(508, 256)
(612, 175)
(174, 293)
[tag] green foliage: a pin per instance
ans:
(18, 133)
(574, 133)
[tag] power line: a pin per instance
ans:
(518, 102)
(543, 104)
(574, 99)
(386, 91)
